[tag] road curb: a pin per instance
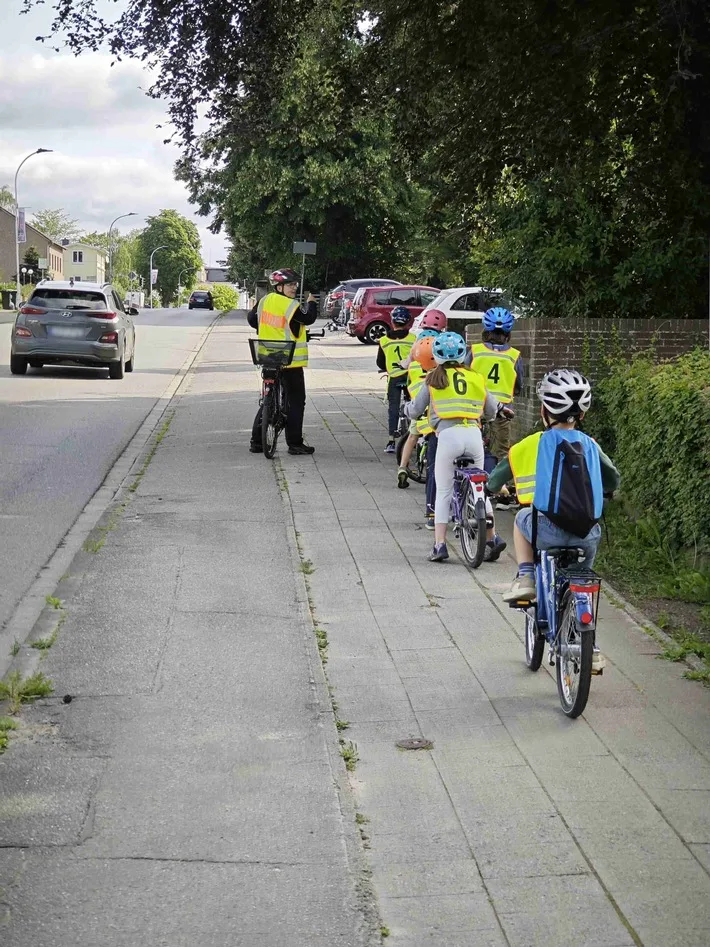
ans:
(32, 606)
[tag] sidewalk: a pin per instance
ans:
(192, 793)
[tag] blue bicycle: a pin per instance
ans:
(468, 509)
(564, 616)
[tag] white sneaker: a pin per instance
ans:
(522, 590)
(598, 661)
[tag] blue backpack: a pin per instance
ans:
(568, 481)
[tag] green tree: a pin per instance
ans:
(181, 240)
(56, 224)
(31, 258)
(7, 198)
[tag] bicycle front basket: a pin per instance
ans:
(271, 353)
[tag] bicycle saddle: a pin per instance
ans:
(464, 461)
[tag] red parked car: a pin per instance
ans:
(371, 308)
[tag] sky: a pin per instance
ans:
(108, 156)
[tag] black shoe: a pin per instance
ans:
(301, 449)
(255, 448)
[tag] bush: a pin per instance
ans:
(654, 420)
(225, 296)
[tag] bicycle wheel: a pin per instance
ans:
(534, 641)
(269, 422)
(419, 471)
(573, 663)
(400, 447)
(473, 526)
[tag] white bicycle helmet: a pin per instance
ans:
(565, 391)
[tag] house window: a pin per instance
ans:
(77, 256)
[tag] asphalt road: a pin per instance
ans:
(61, 430)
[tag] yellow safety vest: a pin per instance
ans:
(463, 397)
(275, 312)
(424, 427)
(498, 369)
(396, 350)
(415, 379)
(523, 462)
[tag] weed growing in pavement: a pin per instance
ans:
(146, 463)
(361, 819)
(53, 601)
(15, 649)
(93, 545)
(322, 641)
(44, 644)
(307, 567)
(687, 644)
(385, 931)
(432, 599)
(6, 724)
(19, 691)
(348, 751)
(342, 725)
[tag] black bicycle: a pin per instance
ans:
(272, 357)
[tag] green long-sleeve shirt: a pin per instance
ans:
(610, 475)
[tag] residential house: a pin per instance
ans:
(46, 248)
(85, 263)
(216, 274)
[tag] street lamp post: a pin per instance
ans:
(150, 272)
(39, 151)
(183, 270)
(110, 245)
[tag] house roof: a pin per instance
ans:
(30, 226)
(88, 246)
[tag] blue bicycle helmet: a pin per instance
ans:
(498, 318)
(401, 316)
(428, 333)
(448, 347)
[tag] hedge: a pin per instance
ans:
(654, 421)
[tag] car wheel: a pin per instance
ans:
(374, 332)
(35, 363)
(115, 369)
(18, 365)
(189, 307)
(129, 364)
(361, 338)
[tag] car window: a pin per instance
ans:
(382, 298)
(444, 294)
(427, 296)
(403, 297)
(470, 302)
(117, 302)
(68, 299)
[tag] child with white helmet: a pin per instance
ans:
(456, 399)
(567, 493)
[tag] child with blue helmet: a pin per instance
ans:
(456, 399)
(501, 366)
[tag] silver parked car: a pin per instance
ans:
(81, 323)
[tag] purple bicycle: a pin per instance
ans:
(468, 509)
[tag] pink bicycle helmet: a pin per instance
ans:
(434, 319)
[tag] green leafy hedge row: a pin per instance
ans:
(654, 421)
(225, 296)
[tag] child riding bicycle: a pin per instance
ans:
(417, 366)
(567, 513)
(456, 399)
(394, 348)
(502, 368)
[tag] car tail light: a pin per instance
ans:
(102, 314)
(23, 333)
(27, 310)
(111, 337)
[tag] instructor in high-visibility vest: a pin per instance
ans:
(279, 316)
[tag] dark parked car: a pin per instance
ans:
(200, 299)
(371, 308)
(335, 299)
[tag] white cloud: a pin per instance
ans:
(108, 156)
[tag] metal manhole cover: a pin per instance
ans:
(416, 743)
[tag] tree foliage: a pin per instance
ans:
(56, 224)
(560, 149)
(181, 242)
(7, 198)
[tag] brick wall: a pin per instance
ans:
(578, 343)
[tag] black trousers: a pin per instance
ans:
(294, 384)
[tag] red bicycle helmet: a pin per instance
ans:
(281, 277)
(434, 319)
